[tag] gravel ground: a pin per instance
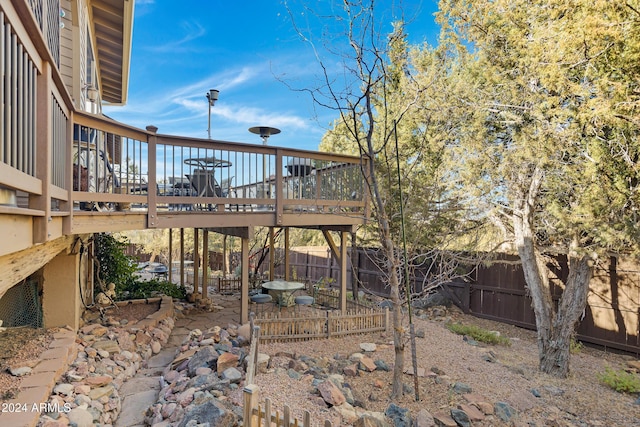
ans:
(20, 347)
(580, 400)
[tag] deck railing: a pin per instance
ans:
(152, 172)
(158, 178)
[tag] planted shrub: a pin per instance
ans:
(620, 380)
(116, 267)
(478, 334)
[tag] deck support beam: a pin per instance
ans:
(182, 257)
(19, 265)
(196, 260)
(340, 255)
(287, 259)
(205, 264)
(272, 254)
(343, 271)
(244, 287)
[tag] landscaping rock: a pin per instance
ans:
(211, 412)
(368, 346)
(504, 411)
(205, 357)
(460, 417)
(331, 393)
(399, 416)
(461, 388)
(424, 419)
(443, 419)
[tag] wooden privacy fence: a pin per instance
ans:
(498, 291)
(611, 317)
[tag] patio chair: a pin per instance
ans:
(204, 184)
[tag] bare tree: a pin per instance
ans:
(372, 94)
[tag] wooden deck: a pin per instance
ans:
(104, 195)
(66, 173)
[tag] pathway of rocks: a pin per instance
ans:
(141, 391)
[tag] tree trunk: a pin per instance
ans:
(555, 327)
(554, 359)
(398, 329)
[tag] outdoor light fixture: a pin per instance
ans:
(92, 93)
(212, 97)
(265, 132)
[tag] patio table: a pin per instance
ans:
(282, 291)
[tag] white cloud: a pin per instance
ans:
(192, 31)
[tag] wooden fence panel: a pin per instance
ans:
(612, 316)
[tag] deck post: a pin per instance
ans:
(287, 273)
(182, 257)
(279, 188)
(205, 263)
(152, 185)
(272, 254)
(196, 261)
(244, 286)
(170, 257)
(44, 142)
(343, 271)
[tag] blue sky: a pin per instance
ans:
(245, 49)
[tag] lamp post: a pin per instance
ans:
(212, 97)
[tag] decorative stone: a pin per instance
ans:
(368, 346)
(263, 362)
(424, 419)
(381, 365)
(443, 419)
(202, 358)
(504, 411)
(460, 417)
(155, 347)
(21, 371)
(232, 374)
(461, 388)
(350, 370)
(367, 364)
(66, 389)
(98, 381)
(472, 411)
(227, 360)
(203, 371)
(80, 417)
(82, 389)
(99, 392)
(399, 416)
(331, 393)
(108, 345)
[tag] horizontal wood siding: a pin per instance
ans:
(66, 46)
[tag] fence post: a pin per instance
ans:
(328, 325)
(386, 320)
(251, 399)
